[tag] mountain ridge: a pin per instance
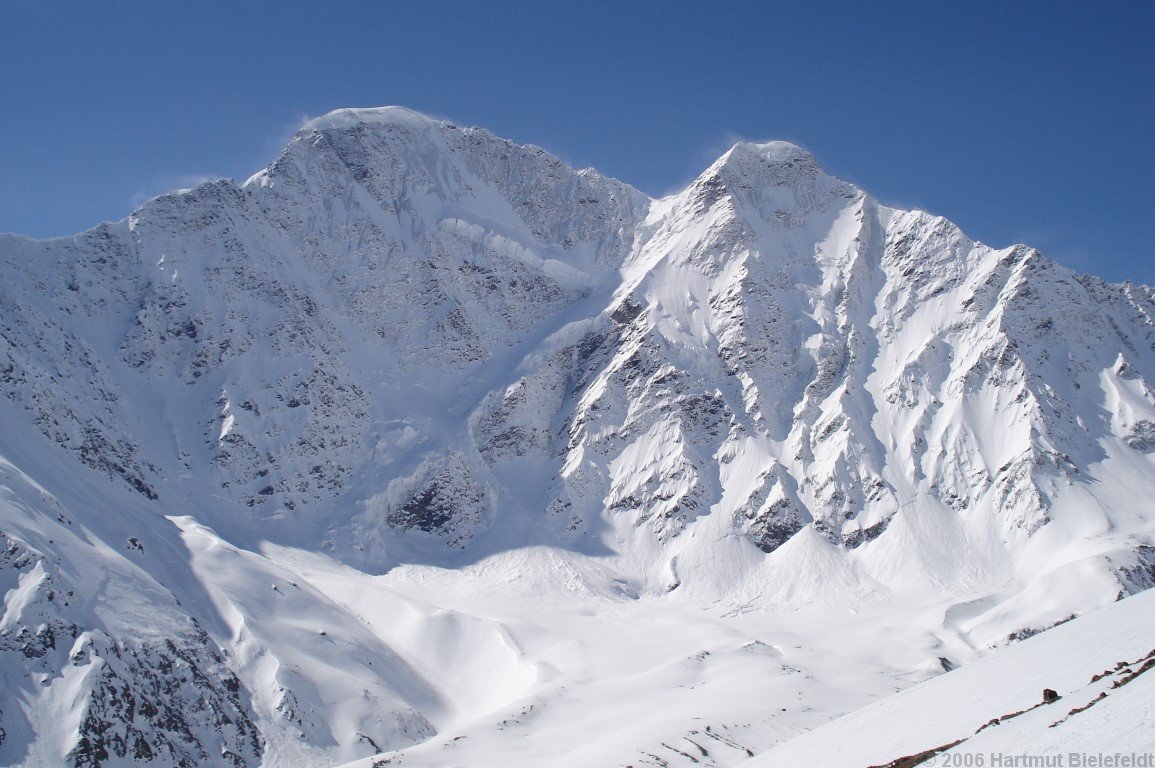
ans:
(410, 349)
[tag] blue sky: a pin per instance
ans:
(1020, 121)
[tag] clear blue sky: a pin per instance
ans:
(1024, 121)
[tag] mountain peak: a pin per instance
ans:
(756, 172)
(352, 116)
(769, 159)
(771, 151)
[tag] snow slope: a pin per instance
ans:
(1099, 664)
(417, 428)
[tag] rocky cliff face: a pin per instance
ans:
(408, 342)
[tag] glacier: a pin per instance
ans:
(420, 444)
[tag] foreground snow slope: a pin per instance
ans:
(1099, 664)
(364, 452)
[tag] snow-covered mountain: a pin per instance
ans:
(420, 437)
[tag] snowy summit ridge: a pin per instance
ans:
(772, 151)
(420, 351)
(354, 116)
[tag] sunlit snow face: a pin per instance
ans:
(421, 440)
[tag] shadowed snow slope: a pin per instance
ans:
(419, 439)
